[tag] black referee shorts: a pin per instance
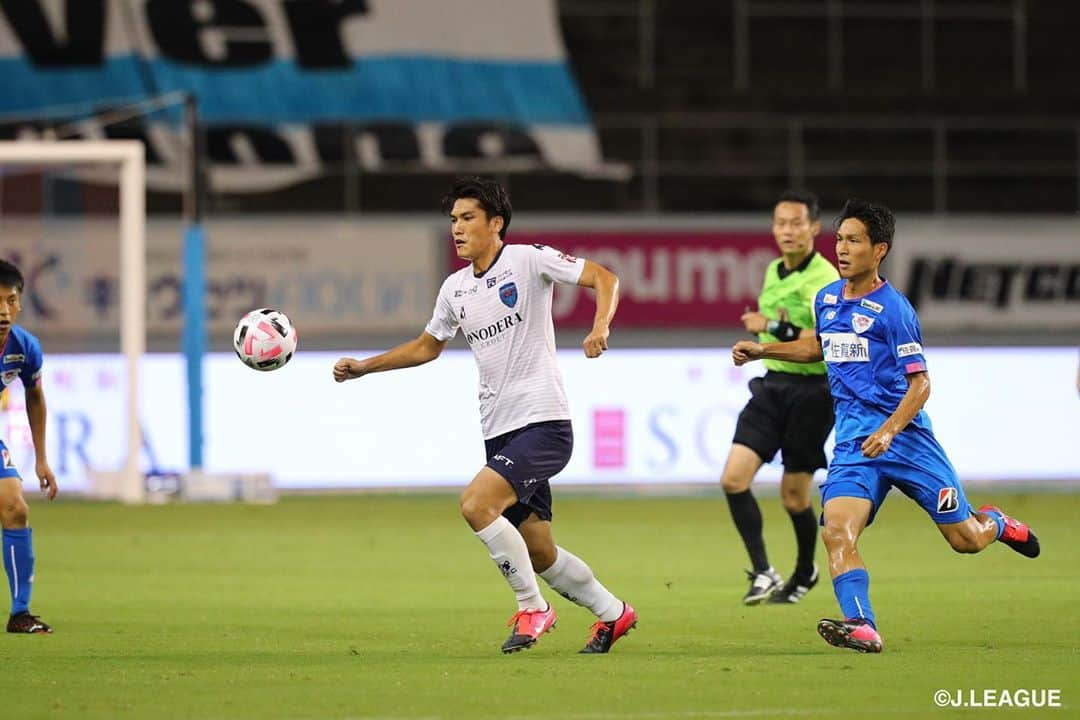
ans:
(789, 413)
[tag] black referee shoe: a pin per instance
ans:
(795, 589)
(762, 585)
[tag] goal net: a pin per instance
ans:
(73, 220)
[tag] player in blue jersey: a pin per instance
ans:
(21, 358)
(869, 336)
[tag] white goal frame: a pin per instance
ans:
(130, 157)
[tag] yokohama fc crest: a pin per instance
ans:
(508, 294)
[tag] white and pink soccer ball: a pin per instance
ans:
(264, 339)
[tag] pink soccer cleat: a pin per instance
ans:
(528, 626)
(856, 634)
(604, 634)
(1017, 535)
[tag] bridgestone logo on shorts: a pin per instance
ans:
(947, 500)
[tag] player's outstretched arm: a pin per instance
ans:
(35, 413)
(804, 350)
(606, 285)
(409, 354)
(918, 392)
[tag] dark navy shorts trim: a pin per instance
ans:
(528, 458)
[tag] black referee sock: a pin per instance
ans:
(747, 516)
(806, 528)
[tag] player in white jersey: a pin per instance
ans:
(502, 303)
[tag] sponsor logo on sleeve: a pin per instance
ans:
(871, 305)
(568, 257)
(845, 347)
(829, 299)
(491, 282)
(861, 323)
(830, 315)
(947, 500)
(13, 358)
(911, 348)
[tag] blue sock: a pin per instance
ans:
(853, 593)
(19, 564)
(999, 520)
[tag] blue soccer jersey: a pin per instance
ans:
(21, 358)
(870, 345)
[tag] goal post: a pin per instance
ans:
(129, 157)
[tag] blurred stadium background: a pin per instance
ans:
(296, 152)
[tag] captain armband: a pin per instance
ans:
(782, 330)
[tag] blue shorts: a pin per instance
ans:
(915, 464)
(528, 458)
(7, 463)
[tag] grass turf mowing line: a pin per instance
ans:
(366, 606)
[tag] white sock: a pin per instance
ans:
(574, 580)
(507, 548)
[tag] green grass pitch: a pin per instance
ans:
(388, 607)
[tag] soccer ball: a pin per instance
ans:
(264, 339)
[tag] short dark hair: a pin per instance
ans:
(10, 276)
(803, 197)
(878, 219)
(490, 195)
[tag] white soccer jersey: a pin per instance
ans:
(506, 317)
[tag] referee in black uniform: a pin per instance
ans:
(790, 410)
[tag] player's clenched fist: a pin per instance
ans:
(595, 344)
(347, 369)
(746, 350)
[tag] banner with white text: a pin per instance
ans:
(674, 278)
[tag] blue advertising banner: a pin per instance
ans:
(289, 86)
